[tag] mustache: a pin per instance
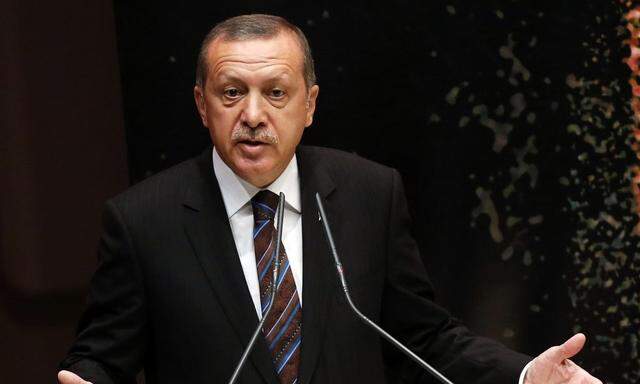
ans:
(245, 133)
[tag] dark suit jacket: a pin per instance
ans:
(169, 294)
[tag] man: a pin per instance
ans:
(185, 257)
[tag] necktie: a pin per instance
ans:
(283, 326)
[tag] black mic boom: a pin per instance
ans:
(365, 319)
(274, 288)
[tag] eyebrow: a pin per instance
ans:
(231, 77)
(281, 76)
(225, 77)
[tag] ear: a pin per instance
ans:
(198, 95)
(311, 104)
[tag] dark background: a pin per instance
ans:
(509, 121)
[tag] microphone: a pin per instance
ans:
(274, 288)
(365, 319)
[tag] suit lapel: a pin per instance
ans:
(208, 229)
(317, 268)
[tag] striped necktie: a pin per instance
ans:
(283, 326)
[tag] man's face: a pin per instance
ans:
(255, 104)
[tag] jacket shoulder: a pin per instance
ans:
(345, 166)
(161, 189)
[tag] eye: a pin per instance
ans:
(277, 93)
(232, 93)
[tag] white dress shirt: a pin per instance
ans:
(237, 194)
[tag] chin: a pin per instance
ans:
(257, 173)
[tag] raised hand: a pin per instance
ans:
(554, 367)
(66, 377)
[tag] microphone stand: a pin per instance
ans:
(274, 282)
(365, 319)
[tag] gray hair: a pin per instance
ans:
(249, 27)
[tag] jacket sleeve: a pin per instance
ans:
(110, 342)
(410, 313)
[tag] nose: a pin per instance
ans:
(254, 111)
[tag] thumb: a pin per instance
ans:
(66, 377)
(569, 349)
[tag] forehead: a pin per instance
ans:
(281, 51)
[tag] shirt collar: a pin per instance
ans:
(237, 192)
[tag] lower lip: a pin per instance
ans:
(251, 148)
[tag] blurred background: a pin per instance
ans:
(512, 123)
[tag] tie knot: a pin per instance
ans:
(264, 204)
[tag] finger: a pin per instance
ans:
(66, 377)
(569, 349)
(584, 377)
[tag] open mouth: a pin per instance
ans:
(251, 143)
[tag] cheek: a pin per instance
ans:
(289, 133)
(221, 123)
(290, 125)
